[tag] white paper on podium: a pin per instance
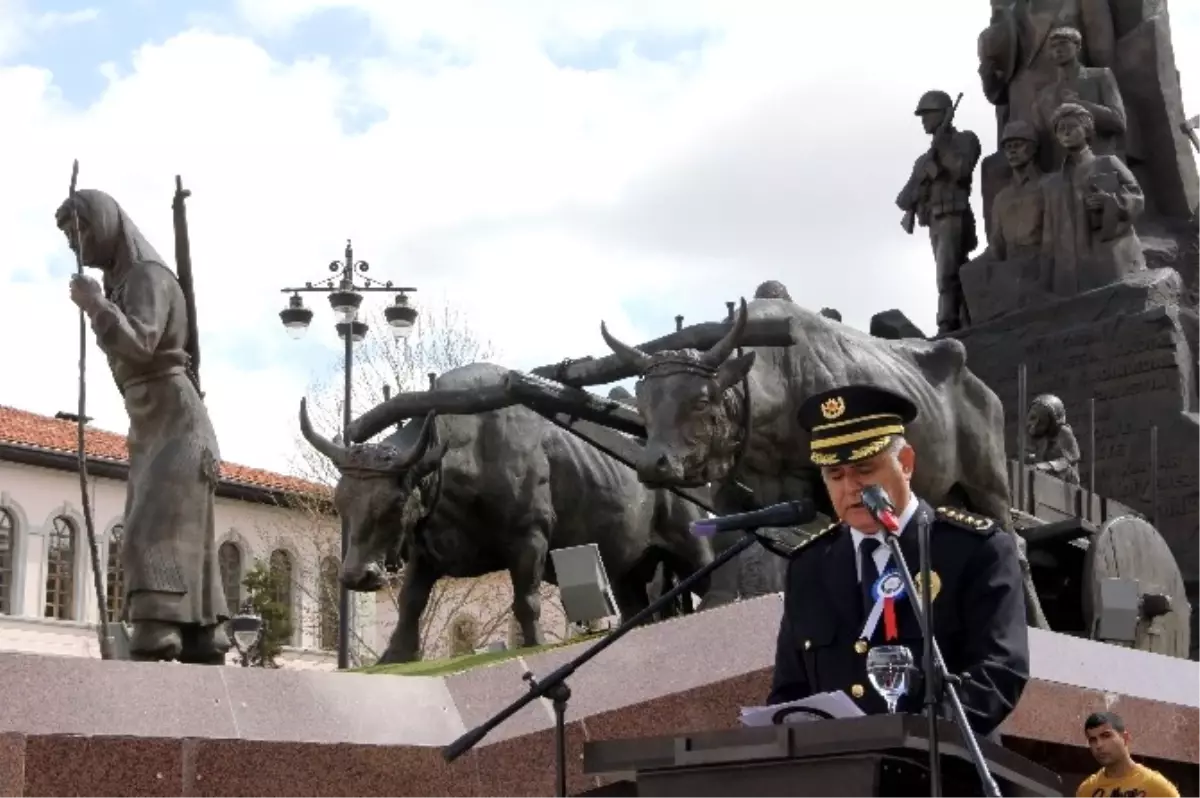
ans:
(823, 706)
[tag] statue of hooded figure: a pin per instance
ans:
(174, 597)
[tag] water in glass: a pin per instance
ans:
(888, 669)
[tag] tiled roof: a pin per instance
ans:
(22, 428)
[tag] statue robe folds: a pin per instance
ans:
(1084, 249)
(169, 552)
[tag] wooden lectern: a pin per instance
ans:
(873, 755)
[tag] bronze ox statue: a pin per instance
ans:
(465, 495)
(723, 414)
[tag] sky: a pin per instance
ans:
(537, 165)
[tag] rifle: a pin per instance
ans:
(183, 268)
(918, 182)
(105, 640)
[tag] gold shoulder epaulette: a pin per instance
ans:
(962, 518)
(813, 538)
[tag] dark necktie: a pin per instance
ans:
(870, 572)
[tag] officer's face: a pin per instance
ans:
(845, 483)
(930, 120)
(1107, 744)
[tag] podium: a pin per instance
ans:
(872, 755)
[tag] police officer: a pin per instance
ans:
(938, 194)
(830, 620)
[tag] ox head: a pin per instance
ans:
(380, 493)
(693, 419)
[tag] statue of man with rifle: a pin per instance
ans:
(141, 319)
(938, 196)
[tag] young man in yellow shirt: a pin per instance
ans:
(1119, 774)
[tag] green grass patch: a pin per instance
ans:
(465, 662)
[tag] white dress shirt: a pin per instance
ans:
(882, 554)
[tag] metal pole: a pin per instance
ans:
(344, 592)
(1154, 476)
(1091, 457)
(1022, 401)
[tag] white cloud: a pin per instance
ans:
(538, 199)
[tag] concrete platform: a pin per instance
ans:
(72, 726)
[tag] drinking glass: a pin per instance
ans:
(888, 669)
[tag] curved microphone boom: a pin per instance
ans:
(793, 513)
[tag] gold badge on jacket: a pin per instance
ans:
(935, 585)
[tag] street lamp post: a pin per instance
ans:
(345, 298)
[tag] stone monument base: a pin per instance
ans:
(1131, 348)
(74, 726)
(996, 288)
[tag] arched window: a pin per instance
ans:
(281, 580)
(115, 589)
(229, 559)
(8, 546)
(327, 604)
(60, 569)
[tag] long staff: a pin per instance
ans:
(106, 643)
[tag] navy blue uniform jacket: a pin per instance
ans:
(978, 616)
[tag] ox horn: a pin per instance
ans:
(411, 404)
(630, 355)
(722, 349)
(335, 452)
(408, 458)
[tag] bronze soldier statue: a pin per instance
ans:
(938, 196)
(173, 587)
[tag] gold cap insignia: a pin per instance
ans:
(935, 585)
(833, 408)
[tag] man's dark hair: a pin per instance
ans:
(1098, 719)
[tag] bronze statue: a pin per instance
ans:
(1092, 202)
(1016, 229)
(1094, 88)
(938, 196)
(484, 488)
(1015, 55)
(175, 601)
(1055, 450)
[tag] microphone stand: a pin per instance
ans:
(933, 692)
(554, 685)
(935, 665)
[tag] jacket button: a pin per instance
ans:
(807, 645)
(860, 647)
(857, 691)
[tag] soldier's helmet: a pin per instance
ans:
(1018, 129)
(934, 100)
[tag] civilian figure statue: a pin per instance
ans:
(1092, 202)
(1094, 88)
(1055, 449)
(174, 598)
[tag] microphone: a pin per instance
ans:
(785, 514)
(880, 506)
